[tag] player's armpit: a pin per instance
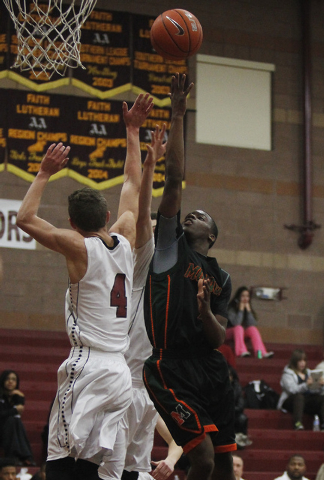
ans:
(126, 226)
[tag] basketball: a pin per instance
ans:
(176, 34)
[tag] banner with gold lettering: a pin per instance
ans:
(3, 40)
(158, 116)
(35, 122)
(93, 128)
(3, 127)
(105, 54)
(98, 142)
(151, 73)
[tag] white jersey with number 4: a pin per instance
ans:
(98, 307)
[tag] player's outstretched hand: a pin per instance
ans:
(141, 109)
(55, 158)
(179, 94)
(203, 297)
(163, 470)
(157, 148)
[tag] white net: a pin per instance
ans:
(48, 33)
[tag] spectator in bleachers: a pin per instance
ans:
(8, 469)
(13, 437)
(296, 469)
(298, 396)
(238, 467)
(242, 324)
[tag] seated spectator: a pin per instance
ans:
(238, 467)
(295, 469)
(297, 395)
(8, 469)
(241, 420)
(13, 438)
(242, 325)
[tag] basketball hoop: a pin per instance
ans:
(48, 34)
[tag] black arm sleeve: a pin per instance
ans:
(166, 243)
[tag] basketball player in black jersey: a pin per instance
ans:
(186, 299)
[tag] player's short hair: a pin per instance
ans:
(153, 215)
(213, 229)
(88, 209)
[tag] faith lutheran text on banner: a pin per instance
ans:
(105, 53)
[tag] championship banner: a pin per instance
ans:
(3, 40)
(40, 81)
(3, 127)
(158, 116)
(35, 122)
(98, 142)
(105, 53)
(151, 73)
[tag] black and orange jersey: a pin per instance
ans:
(171, 307)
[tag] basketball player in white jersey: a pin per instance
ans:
(94, 383)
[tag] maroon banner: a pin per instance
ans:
(35, 122)
(105, 54)
(158, 116)
(93, 128)
(98, 142)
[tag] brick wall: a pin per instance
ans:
(250, 193)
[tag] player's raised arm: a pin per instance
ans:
(154, 152)
(174, 160)
(28, 220)
(128, 204)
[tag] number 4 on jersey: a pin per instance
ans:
(118, 296)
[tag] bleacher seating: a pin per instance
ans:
(36, 356)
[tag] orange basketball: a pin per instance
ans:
(176, 34)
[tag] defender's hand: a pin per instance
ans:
(55, 159)
(139, 112)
